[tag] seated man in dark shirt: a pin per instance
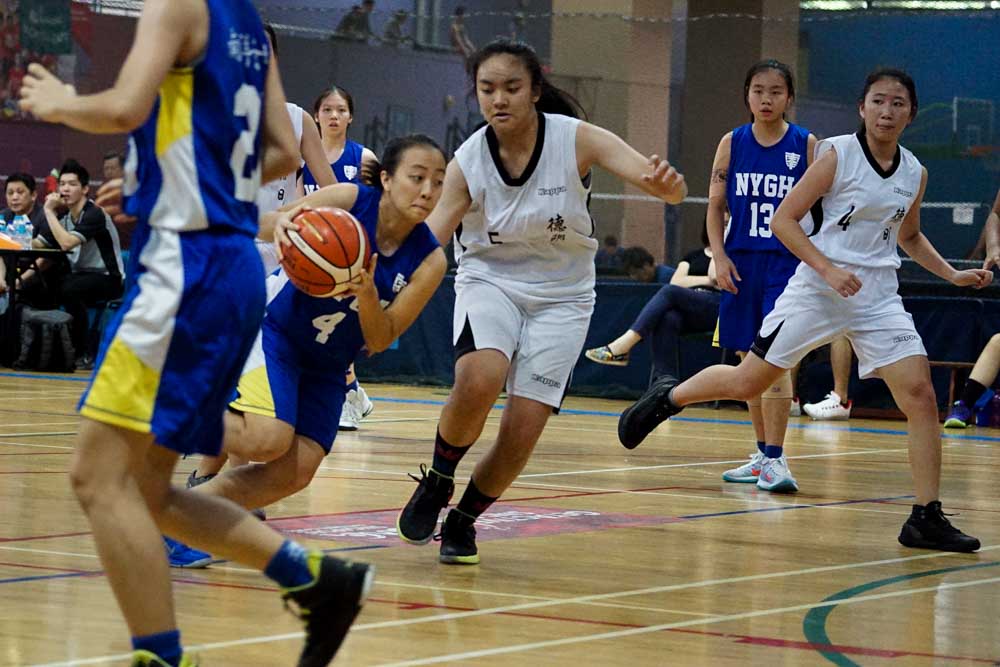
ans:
(20, 192)
(75, 224)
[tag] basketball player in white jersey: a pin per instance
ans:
(515, 198)
(864, 191)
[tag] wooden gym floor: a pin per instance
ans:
(597, 555)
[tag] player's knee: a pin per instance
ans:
(747, 387)
(918, 398)
(266, 444)
(305, 470)
(85, 486)
(994, 343)
(475, 388)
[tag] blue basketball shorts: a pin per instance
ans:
(278, 382)
(170, 359)
(764, 276)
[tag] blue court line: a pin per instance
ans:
(814, 623)
(48, 576)
(32, 376)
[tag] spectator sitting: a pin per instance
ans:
(689, 304)
(460, 41)
(609, 255)
(393, 33)
(20, 193)
(641, 267)
(112, 168)
(86, 232)
(355, 24)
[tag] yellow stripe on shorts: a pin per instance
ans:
(255, 393)
(715, 336)
(124, 391)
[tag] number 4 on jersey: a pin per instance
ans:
(845, 222)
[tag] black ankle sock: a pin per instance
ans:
(474, 502)
(973, 390)
(446, 456)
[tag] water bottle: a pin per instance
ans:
(3, 226)
(20, 224)
(29, 232)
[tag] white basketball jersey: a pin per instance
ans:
(858, 220)
(533, 234)
(281, 191)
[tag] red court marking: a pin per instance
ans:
(42, 537)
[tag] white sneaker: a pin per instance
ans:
(774, 476)
(362, 403)
(829, 409)
(796, 408)
(746, 473)
(349, 416)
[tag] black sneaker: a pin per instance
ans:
(651, 410)
(417, 521)
(929, 528)
(193, 479)
(329, 604)
(458, 540)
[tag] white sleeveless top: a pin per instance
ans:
(858, 220)
(531, 235)
(281, 191)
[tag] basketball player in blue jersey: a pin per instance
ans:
(292, 388)
(864, 192)
(333, 111)
(202, 98)
(755, 166)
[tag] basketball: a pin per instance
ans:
(327, 253)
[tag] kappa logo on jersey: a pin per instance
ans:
(350, 171)
(792, 160)
(551, 192)
(770, 185)
(398, 284)
(899, 215)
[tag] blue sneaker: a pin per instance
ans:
(960, 417)
(181, 555)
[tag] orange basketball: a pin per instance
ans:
(327, 253)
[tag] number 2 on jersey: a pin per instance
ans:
(246, 105)
(761, 228)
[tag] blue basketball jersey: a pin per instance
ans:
(347, 168)
(759, 178)
(194, 164)
(326, 332)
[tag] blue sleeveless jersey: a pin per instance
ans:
(194, 164)
(347, 168)
(759, 178)
(325, 333)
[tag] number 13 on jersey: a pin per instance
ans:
(760, 219)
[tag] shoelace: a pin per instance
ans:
(940, 517)
(423, 474)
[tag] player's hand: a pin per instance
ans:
(842, 281)
(284, 223)
(666, 182)
(975, 278)
(45, 96)
(726, 274)
(109, 198)
(363, 287)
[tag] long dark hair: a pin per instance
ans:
(781, 68)
(898, 75)
(393, 155)
(550, 98)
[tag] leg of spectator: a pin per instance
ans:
(77, 293)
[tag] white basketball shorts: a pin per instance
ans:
(809, 313)
(542, 339)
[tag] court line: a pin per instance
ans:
(584, 638)
(616, 634)
(814, 623)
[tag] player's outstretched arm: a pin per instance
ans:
(453, 205)
(816, 182)
(167, 32)
(920, 250)
(653, 175)
(280, 154)
(273, 225)
(992, 233)
(381, 327)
